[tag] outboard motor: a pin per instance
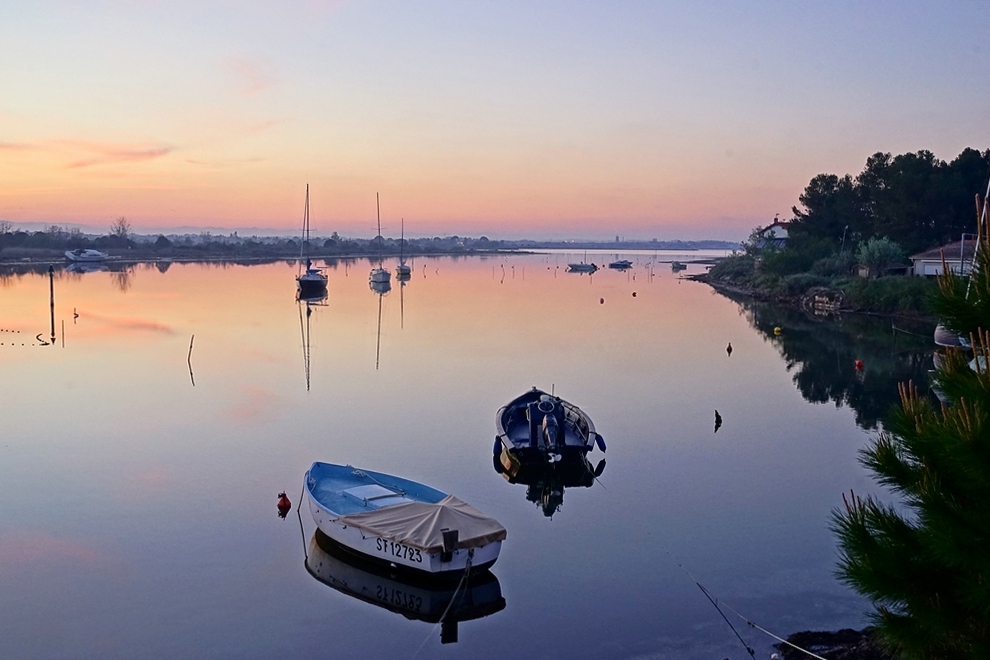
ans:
(551, 430)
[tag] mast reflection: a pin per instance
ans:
(306, 305)
(381, 288)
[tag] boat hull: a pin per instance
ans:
(85, 255)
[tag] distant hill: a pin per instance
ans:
(654, 244)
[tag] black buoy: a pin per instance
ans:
(718, 421)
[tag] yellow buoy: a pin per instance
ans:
(777, 330)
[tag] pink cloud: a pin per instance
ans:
(102, 154)
(257, 405)
(134, 324)
(29, 547)
(253, 76)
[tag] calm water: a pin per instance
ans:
(139, 513)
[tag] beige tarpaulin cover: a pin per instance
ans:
(418, 524)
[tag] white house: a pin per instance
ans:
(773, 235)
(958, 256)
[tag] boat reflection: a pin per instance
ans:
(306, 303)
(546, 481)
(86, 267)
(381, 288)
(446, 603)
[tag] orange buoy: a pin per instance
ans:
(283, 505)
(859, 365)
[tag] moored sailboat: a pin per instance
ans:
(403, 271)
(380, 275)
(313, 282)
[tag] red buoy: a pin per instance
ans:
(283, 505)
(859, 365)
(601, 301)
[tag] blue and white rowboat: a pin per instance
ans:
(401, 522)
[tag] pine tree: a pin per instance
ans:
(925, 562)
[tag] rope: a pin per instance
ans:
(907, 332)
(299, 516)
(443, 617)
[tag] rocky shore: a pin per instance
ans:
(844, 644)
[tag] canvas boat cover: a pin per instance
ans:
(419, 524)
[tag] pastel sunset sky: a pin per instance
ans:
(668, 119)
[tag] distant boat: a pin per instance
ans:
(401, 523)
(541, 428)
(446, 602)
(380, 275)
(403, 271)
(677, 266)
(621, 264)
(581, 268)
(85, 255)
(312, 283)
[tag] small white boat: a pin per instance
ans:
(541, 428)
(85, 255)
(444, 602)
(313, 282)
(401, 523)
(581, 268)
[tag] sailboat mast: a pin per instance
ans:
(378, 205)
(305, 236)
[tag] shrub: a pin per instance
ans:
(840, 263)
(797, 284)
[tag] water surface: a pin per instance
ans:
(140, 488)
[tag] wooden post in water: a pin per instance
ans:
(51, 296)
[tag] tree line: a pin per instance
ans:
(913, 199)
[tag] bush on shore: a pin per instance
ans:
(896, 294)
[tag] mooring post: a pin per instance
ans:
(51, 296)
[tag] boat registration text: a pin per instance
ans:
(399, 550)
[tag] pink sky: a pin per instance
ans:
(676, 120)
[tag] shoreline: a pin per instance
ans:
(819, 302)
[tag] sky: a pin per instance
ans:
(511, 119)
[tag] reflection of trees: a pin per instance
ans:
(822, 354)
(122, 278)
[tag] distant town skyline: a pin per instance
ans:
(548, 121)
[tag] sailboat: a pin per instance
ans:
(380, 275)
(313, 282)
(403, 271)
